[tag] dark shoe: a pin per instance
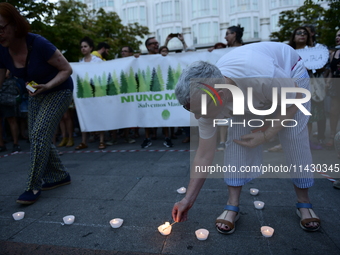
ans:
(28, 197)
(167, 142)
(16, 147)
(53, 185)
(146, 143)
(3, 148)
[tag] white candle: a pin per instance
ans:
(18, 215)
(267, 231)
(116, 223)
(69, 219)
(182, 190)
(165, 229)
(258, 204)
(202, 234)
(254, 191)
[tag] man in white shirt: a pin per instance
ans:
(254, 69)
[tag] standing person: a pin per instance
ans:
(334, 90)
(102, 51)
(302, 39)
(86, 47)
(152, 46)
(281, 68)
(234, 36)
(11, 114)
(179, 37)
(33, 58)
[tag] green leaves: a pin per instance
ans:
(326, 22)
(65, 23)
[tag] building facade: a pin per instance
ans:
(202, 22)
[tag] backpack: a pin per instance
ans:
(10, 93)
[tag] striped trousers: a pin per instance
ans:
(294, 141)
(44, 114)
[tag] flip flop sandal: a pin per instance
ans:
(102, 146)
(221, 219)
(81, 146)
(308, 220)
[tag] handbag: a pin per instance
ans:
(318, 88)
(10, 94)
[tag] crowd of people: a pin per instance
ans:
(28, 57)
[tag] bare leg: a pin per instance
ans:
(302, 197)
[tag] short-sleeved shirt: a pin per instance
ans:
(38, 69)
(94, 59)
(261, 66)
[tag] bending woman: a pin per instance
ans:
(33, 58)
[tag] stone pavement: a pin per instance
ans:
(140, 187)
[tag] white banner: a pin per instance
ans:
(314, 57)
(133, 92)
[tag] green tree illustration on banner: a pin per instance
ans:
(155, 84)
(80, 91)
(111, 89)
(148, 77)
(178, 72)
(123, 83)
(131, 80)
(141, 80)
(92, 88)
(171, 79)
(160, 78)
(116, 82)
(87, 86)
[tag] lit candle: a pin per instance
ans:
(69, 219)
(116, 223)
(202, 234)
(254, 191)
(182, 190)
(258, 204)
(18, 215)
(165, 229)
(267, 231)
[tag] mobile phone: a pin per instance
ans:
(173, 35)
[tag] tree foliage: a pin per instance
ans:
(326, 22)
(65, 23)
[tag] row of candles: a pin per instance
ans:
(165, 229)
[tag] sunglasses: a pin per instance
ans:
(301, 33)
(229, 33)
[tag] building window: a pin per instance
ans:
(110, 3)
(246, 23)
(205, 33)
(129, 1)
(243, 5)
(135, 14)
(256, 27)
(167, 11)
(202, 8)
(274, 23)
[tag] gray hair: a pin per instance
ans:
(199, 71)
